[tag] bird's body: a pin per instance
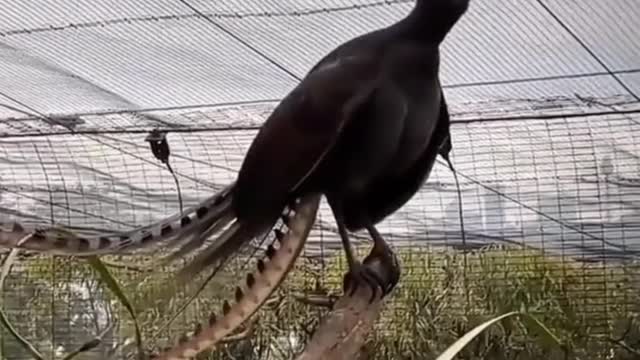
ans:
(388, 135)
(363, 128)
(389, 126)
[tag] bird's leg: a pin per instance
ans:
(338, 214)
(383, 253)
(380, 257)
(359, 274)
(356, 274)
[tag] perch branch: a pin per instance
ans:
(321, 300)
(343, 331)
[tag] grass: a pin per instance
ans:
(592, 308)
(589, 306)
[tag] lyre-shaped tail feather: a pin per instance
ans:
(257, 288)
(170, 231)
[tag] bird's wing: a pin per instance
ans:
(393, 193)
(303, 129)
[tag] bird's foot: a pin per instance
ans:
(379, 271)
(360, 275)
(385, 262)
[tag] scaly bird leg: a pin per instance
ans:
(357, 274)
(382, 252)
(338, 214)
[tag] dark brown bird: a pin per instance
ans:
(363, 128)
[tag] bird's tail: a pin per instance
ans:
(439, 16)
(258, 286)
(189, 229)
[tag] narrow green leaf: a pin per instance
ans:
(3, 317)
(6, 267)
(89, 345)
(531, 321)
(457, 346)
(549, 338)
(115, 288)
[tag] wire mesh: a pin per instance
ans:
(543, 96)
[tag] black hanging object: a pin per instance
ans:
(159, 146)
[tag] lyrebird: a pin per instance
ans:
(363, 128)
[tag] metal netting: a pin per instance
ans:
(546, 132)
(78, 56)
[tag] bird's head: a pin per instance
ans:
(435, 18)
(444, 6)
(431, 20)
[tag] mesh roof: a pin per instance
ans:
(542, 93)
(69, 57)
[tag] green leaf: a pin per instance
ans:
(530, 320)
(89, 345)
(3, 317)
(457, 346)
(549, 338)
(115, 288)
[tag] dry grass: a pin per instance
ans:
(592, 307)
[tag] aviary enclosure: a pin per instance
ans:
(545, 128)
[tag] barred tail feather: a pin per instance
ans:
(169, 232)
(258, 285)
(211, 227)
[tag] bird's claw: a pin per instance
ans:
(361, 275)
(379, 271)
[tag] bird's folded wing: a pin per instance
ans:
(305, 126)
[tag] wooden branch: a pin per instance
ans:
(321, 300)
(344, 330)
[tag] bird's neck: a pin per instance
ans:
(431, 20)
